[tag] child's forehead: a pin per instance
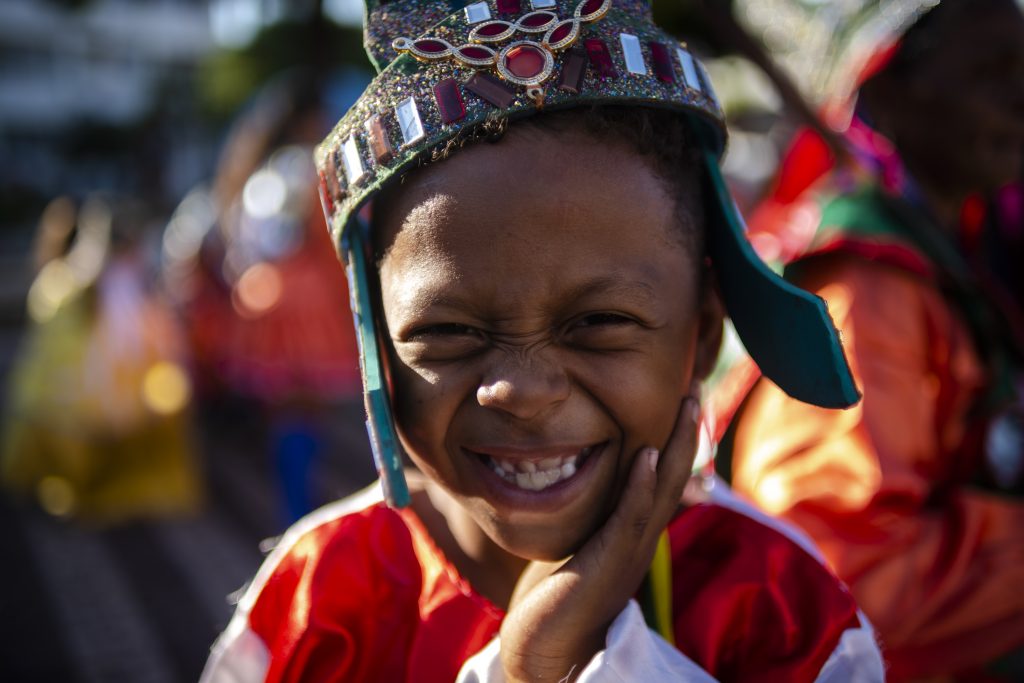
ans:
(494, 254)
(569, 181)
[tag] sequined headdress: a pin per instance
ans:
(444, 66)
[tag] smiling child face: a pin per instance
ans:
(546, 318)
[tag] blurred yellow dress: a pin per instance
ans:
(96, 414)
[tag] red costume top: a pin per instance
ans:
(360, 592)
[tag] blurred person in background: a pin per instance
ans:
(96, 427)
(265, 298)
(914, 495)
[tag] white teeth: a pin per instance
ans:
(537, 475)
(550, 463)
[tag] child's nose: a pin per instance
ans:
(524, 386)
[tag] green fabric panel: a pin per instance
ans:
(872, 214)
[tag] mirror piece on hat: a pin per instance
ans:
(542, 4)
(690, 77)
(633, 54)
(353, 163)
(380, 142)
(408, 115)
(477, 12)
(706, 86)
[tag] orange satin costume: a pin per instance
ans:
(884, 488)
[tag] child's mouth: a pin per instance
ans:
(538, 474)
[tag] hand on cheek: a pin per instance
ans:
(559, 615)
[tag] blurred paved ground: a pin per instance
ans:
(143, 602)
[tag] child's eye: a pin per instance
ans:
(444, 330)
(442, 342)
(603, 332)
(603, 320)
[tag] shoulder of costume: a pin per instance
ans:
(862, 224)
(317, 538)
(765, 584)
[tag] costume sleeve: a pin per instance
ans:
(238, 656)
(634, 653)
(935, 564)
(315, 610)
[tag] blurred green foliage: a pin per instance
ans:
(228, 77)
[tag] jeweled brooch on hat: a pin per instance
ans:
(523, 62)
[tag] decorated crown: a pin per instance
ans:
(443, 70)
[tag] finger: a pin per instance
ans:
(655, 487)
(534, 573)
(627, 526)
(676, 462)
(650, 498)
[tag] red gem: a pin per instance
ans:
(473, 52)
(590, 7)
(509, 7)
(491, 89)
(489, 30)
(430, 46)
(662, 63)
(449, 101)
(524, 61)
(560, 32)
(574, 68)
(600, 58)
(535, 19)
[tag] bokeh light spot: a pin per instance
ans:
(258, 290)
(264, 194)
(166, 388)
(51, 288)
(56, 496)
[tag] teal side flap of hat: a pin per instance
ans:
(379, 421)
(786, 330)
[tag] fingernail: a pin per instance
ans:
(652, 458)
(693, 409)
(697, 389)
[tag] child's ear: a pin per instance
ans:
(711, 320)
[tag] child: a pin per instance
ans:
(539, 319)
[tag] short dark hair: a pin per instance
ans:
(664, 138)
